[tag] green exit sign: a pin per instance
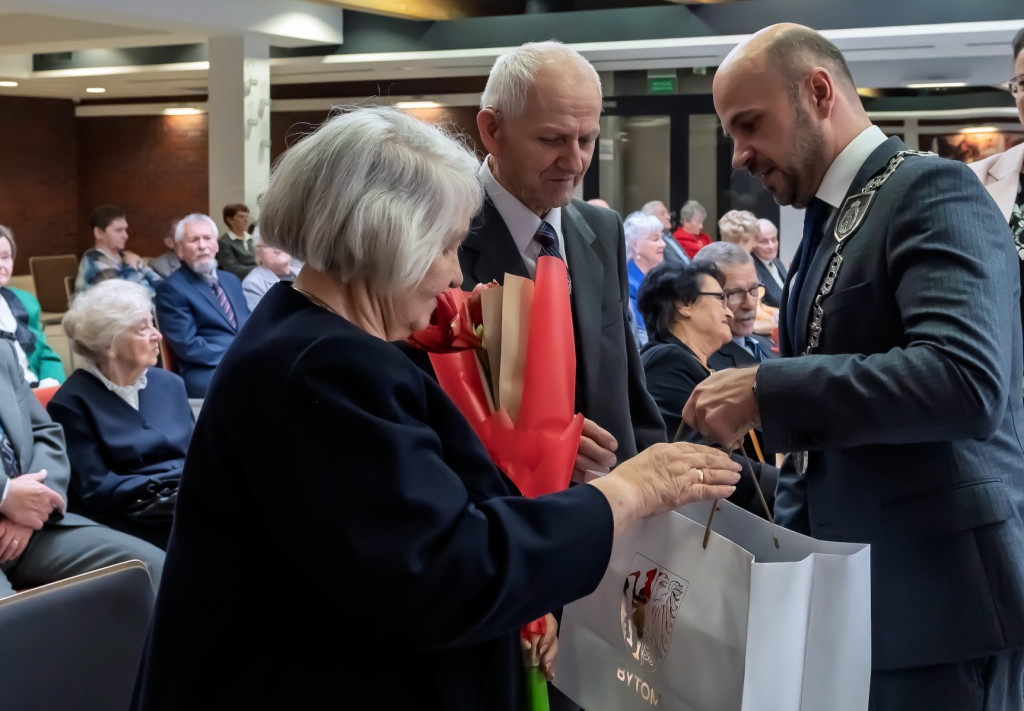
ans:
(661, 85)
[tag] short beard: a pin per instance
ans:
(809, 149)
(207, 266)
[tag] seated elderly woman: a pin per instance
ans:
(272, 265)
(19, 323)
(741, 227)
(645, 248)
(687, 320)
(127, 424)
(378, 506)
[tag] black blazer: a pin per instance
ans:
(772, 289)
(610, 387)
(351, 476)
(912, 413)
(733, 356)
(673, 371)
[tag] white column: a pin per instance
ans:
(239, 134)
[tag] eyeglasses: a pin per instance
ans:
(1016, 85)
(717, 294)
(735, 297)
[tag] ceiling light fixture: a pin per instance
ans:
(8, 83)
(935, 84)
(181, 111)
(95, 90)
(417, 105)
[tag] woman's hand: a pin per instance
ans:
(541, 651)
(665, 477)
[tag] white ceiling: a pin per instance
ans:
(976, 53)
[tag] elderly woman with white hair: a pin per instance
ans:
(325, 458)
(645, 249)
(127, 423)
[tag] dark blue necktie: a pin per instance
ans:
(12, 467)
(814, 223)
(754, 348)
(548, 239)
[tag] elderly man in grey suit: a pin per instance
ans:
(673, 252)
(539, 121)
(903, 416)
(39, 542)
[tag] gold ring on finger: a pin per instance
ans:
(700, 476)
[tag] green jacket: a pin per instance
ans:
(43, 361)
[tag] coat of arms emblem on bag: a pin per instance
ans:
(651, 596)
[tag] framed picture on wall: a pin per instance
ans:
(970, 146)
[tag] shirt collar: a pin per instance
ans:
(246, 238)
(128, 393)
(839, 176)
(521, 221)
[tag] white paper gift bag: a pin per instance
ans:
(742, 625)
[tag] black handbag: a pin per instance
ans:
(155, 505)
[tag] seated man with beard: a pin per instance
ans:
(199, 308)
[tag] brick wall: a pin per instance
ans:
(56, 168)
(287, 127)
(155, 167)
(38, 176)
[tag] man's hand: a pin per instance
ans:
(13, 539)
(723, 407)
(132, 260)
(29, 501)
(596, 451)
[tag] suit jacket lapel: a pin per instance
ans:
(11, 417)
(489, 250)
(812, 281)
(586, 272)
(1004, 179)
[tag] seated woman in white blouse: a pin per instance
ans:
(127, 423)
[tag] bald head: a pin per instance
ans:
(792, 51)
(786, 98)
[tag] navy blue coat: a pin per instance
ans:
(342, 539)
(115, 450)
(195, 327)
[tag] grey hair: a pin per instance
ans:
(636, 227)
(513, 72)
(648, 208)
(691, 209)
(179, 230)
(99, 316)
(723, 254)
(765, 222)
(373, 193)
(738, 226)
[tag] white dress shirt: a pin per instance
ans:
(521, 221)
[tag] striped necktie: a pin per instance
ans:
(755, 348)
(548, 240)
(12, 467)
(222, 299)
